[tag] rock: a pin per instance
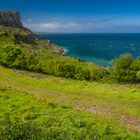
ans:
(10, 18)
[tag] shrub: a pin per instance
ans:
(16, 57)
(11, 56)
(125, 69)
(138, 75)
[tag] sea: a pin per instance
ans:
(98, 48)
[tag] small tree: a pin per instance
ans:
(125, 68)
(121, 66)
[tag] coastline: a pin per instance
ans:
(65, 51)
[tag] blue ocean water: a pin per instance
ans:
(98, 48)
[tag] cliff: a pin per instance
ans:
(11, 19)
(13, 32)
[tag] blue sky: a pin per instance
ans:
(92, 16)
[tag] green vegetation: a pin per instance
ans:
(21, 49)
(18, 49)
(138, 75)
(37, 106)
(24, 38)
(42, 107)
(16, 57)
(126, 69)
(48, 63)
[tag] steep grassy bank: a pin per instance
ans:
(58, 108)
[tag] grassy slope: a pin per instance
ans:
(44, 56)
(12, 36)
(52, 104)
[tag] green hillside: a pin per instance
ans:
(47, 96)
(22, 37)
(21, 49)
(41, 106)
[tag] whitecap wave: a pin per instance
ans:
(65, 51)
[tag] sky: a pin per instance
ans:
(77, 16)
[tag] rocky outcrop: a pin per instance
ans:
(11, 19)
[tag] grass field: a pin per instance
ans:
(46, 107)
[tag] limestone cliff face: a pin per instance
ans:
(10, 18)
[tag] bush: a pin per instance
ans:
(138, 75)
(125, 69)
(13, 57)
(70, 68)
(16, 57)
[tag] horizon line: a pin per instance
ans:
(84, 32)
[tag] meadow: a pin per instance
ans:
(47, 96)
(38, 106)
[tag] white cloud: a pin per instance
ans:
(91, 25)
(29, 20)
(54, 26)
(51, 25)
